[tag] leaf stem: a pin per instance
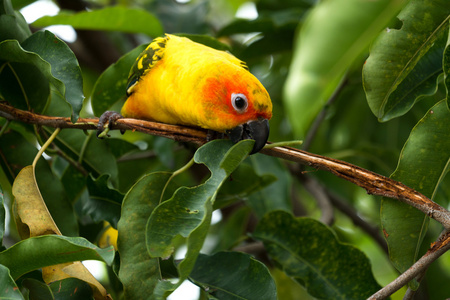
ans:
(47, 143)
(177, 172)
(4, 127)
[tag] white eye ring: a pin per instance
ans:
(239, 102)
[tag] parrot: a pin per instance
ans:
(178, 81)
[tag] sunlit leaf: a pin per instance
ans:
(334, 34)
(37, 252)
(405, 63)
(423, 163)
(309, 252)
(188, 212)
(115, 18)
(234, 275)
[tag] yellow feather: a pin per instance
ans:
(189, 83)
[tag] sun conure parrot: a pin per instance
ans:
(177, 81)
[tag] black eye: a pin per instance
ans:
(239, 102)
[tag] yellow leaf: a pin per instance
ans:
(30, 210)
(74, 270)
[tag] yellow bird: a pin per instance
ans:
(177, 81)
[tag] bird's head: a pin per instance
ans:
(239, 105)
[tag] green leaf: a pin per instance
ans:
(135, 263)
(243, 183)
(111, 86)
(47, 250)
(266, 23)
(275, 196)
(69, 288)
(8, 288)
(234, 275)
(104, 202)
(95, 154)
(38, 290)
(12, 24)
(400, 68)
(423, 163)
(2, 216)
(334, 34)
(188, 212)
(114, 18)
(309, 252)
(18, 4)
(55, 62)
(233, 229)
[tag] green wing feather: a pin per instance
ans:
(145, 61)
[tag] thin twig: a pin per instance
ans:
(318, 192)
(321, 116)
(373, 183)
(351, 213)
(436, 250)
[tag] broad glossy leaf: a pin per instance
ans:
(111, 86)
(104, 202)
(55, 62)
(8, 288)
(334, 34)
(234, 275)
(404, 63)
(188, 212)
(309, 252)
(37, 252)
(12, 24)
(423, 163)
(113, 18)
(135, 263)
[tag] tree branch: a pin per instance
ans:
(373, 183)
(436, 250)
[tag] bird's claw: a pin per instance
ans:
(105, 123)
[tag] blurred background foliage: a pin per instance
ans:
(266, 34)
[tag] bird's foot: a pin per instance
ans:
(105, 123)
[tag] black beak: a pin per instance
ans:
(257, 130)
